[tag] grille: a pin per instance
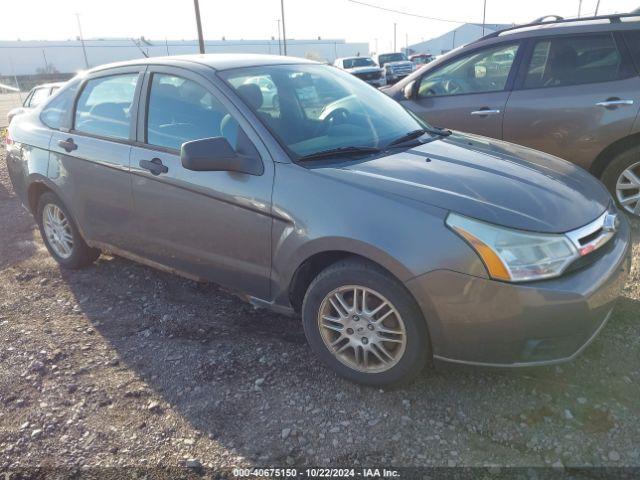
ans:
(368, 76)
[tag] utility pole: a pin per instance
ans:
(196, 6)
(46, 64)
(376, 46)
(579, 8)
(394, 36)
(279, 39)
(597, 8)
(84, 48)
(406, 43)
(284, 31)
(484, 16)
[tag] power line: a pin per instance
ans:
(410, 14)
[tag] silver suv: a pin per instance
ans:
(396, 242)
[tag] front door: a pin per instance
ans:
(212, 225)
(469, 92)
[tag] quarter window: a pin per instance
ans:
(575, 60)
(479, 72)
(104, 106)
(181, 110)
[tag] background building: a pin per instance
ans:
(460, 36)
(18, 58)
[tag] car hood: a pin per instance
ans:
(363, 69)
(486, 179)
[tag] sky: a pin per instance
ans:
(257, 19)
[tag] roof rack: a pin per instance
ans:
(615, 18)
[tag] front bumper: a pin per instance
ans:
(479, 321)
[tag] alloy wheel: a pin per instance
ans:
(362, 329)
(628, 189)
(57, 230)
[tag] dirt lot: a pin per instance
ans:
(7, 102)
(119, 364)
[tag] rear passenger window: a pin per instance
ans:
(633, 42)
(575, 60)
(181, 110)
(104, 106)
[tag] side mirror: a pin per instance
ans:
(408, 90)
(216, 155)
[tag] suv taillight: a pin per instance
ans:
(8, 140)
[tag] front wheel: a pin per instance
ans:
(364, 325)
(622, 178)
(60, 234)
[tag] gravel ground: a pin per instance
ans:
(122, 365)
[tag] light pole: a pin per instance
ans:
(394, 36)
(84, 49)
(196, 6)
(579, 8)
(484, 16)
(279, 39)
(284, 31)
(597, 8)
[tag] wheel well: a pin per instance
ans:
(310, 269)
(34, 193)
(617, 147)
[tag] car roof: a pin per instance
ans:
(217, 61)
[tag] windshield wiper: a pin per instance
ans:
(415, 134)
(407, 137)
(352, 151)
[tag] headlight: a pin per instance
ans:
(514, 255)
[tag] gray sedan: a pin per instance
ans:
(395, 241)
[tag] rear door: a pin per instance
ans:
(90, 161)
(212, 225)
(469, 92)
(574, 96)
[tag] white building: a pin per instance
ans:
(31, 57)
(460, 36)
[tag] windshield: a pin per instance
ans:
(358, 62)
(314, 108)
(391, 57)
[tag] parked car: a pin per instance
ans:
(395, 241)
(421, 58)
(569, 88)
(364, 68)
(36, 96)
(396, 65)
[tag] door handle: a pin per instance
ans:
(614, 102)
(486, 111)
(154, 165)
(68, 145)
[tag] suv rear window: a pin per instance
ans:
(576, 60)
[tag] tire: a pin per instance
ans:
(79, 254)
(408, 359)
(613, 174)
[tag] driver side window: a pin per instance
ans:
(481, 71)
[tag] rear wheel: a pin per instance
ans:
(60, 234)
(363, 324)
(622, 178)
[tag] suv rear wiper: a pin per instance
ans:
(341, 152)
